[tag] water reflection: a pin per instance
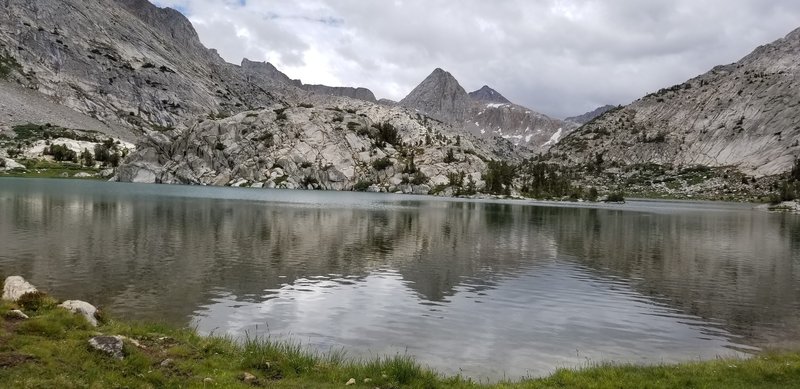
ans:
(492, 288)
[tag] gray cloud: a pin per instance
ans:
(559, 57)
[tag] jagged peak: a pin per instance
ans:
(439, 95)
(488, 95)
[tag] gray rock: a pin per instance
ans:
(16, 286)
(488, 95)
(83, 308)
(110, 345)
(742, 115)
(16, 314)
(439, 96)
(10, 164)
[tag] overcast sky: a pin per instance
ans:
(559, 57)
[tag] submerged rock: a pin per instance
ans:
(82, 307)
(111, 345)
(15, 287)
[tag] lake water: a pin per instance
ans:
(484, 289)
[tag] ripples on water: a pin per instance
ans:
(488, 290)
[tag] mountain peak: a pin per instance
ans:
(488, 95)
(439, 96)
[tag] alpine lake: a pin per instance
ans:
(489, 289)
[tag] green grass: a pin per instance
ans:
(51, 350)
(40, 168)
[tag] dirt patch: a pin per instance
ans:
(8, 360)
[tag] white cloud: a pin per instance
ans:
(560, 57)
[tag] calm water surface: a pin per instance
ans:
(485, 289)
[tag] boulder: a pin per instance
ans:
(82, 307)
(10, 164)
(110, 345)
(16, 286)
(16, 314)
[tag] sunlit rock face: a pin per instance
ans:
(742, 115)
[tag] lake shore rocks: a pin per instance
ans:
(111, 345)
(15, 287)
(88, 311)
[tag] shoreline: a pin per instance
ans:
(406, 196)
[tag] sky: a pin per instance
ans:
(558, 57)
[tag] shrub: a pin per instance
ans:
(362, 186)
(61, 153)
(388, 134)
(616, 197)
(306, 164)
(8, 64)
(410, 168)
(795, 173)
(308, 180)
(382, 163)
(34, 301)
(87, 158)
(266, 138)
(419, 178)
(450, 157)
(280, 114)
(592, 194)
(499, 176)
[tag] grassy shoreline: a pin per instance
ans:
(50, 349)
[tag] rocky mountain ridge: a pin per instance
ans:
(270, 72)
(743, 115)
(591, 115)
(485, 113)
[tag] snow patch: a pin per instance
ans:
(495, 105)
(553, 139)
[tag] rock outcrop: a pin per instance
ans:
(743, 115)
(334, 143)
